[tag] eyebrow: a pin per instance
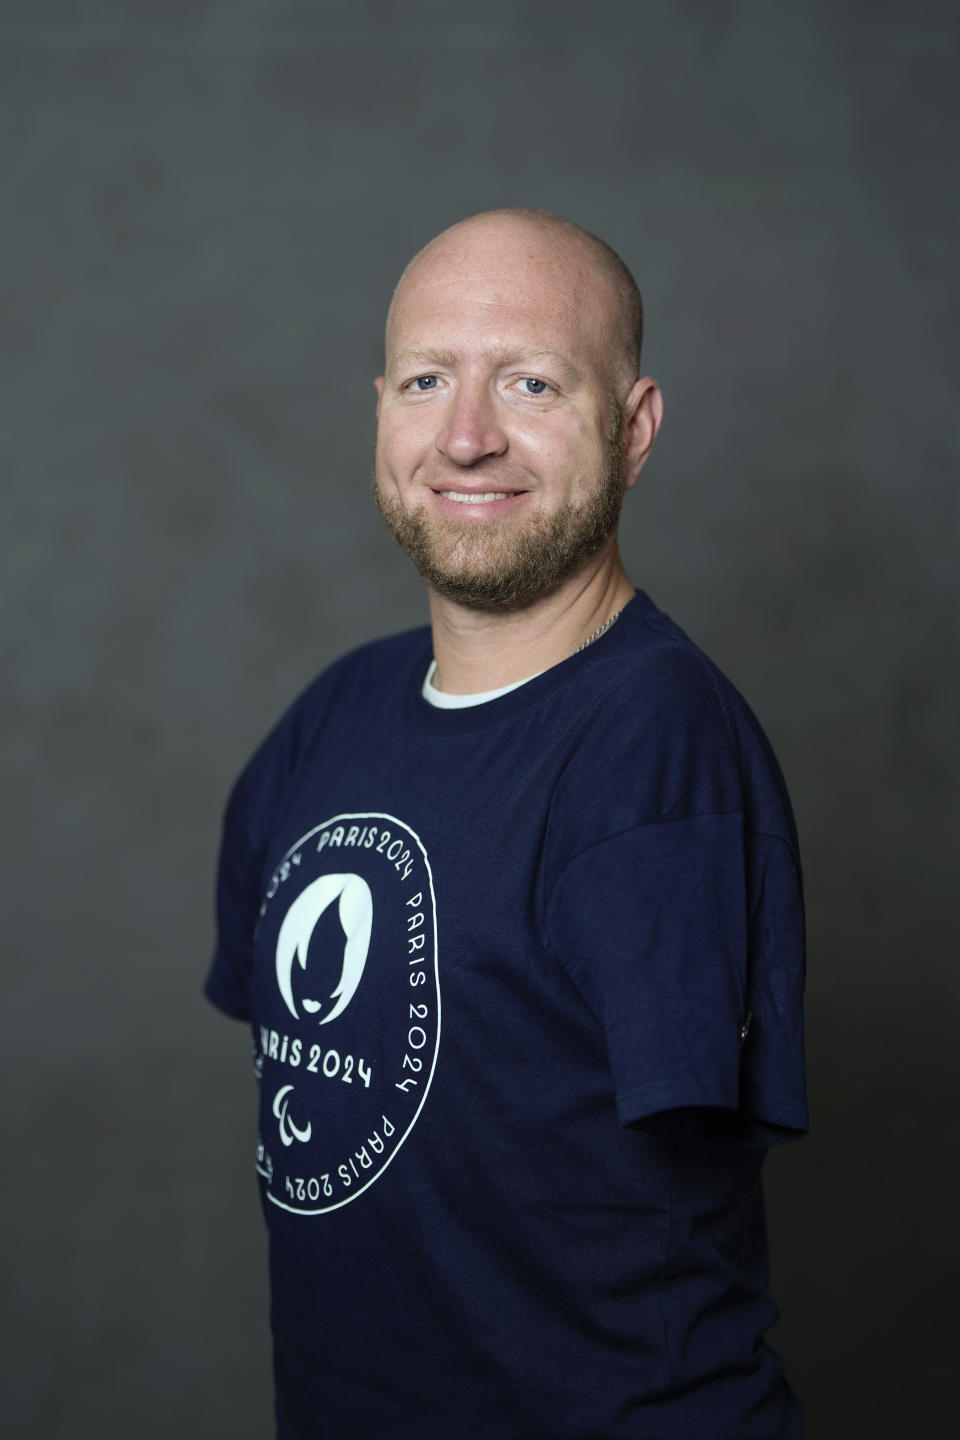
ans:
(498, 356)
(446, 358)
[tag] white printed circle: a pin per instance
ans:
(346, 1008)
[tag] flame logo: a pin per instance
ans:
(299, 923)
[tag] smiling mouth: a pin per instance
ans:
(466, 497)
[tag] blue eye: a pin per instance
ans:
(534, 387)
(425, 382)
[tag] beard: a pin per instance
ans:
(500, 565)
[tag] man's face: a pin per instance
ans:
(499, 461)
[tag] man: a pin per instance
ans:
(513, 905)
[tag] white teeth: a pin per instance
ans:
(474, 499)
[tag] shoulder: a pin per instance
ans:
(338, 694)
(378, 665)
(668, 736)
(664, 675)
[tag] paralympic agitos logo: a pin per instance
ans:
(347, 1008)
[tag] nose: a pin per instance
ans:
(471, 430)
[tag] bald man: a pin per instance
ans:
(512, 904)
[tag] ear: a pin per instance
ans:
(642, 415)
(378, 386)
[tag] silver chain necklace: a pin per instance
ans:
(598, 632)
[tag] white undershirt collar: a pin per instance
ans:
(444, 701)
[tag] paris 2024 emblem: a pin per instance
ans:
(347, 1006)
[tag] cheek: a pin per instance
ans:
(402, 442)
(547, 445)
(570, 456)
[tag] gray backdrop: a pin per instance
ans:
(205, 207)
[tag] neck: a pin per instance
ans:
(479, 650)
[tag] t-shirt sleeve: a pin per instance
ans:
(686, 938)
(237, 901)
(256, 802)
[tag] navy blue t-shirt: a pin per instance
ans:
(524, 981)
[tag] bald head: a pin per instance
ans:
(591, 266)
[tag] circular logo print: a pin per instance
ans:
(347, 1006)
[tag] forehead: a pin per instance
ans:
(500, 287)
